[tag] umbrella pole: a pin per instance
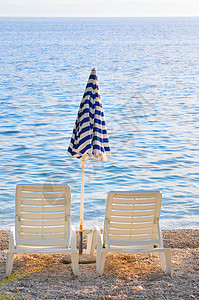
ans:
(81, 209)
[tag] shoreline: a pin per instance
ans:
(126, 276)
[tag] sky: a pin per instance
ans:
(98, 8)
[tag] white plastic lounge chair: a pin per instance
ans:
(42, 223)
(131, 226)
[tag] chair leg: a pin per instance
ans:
(75, 263)
(167, 256)
(91, 242)
(9, 263)
(101, 257)
(89, 239)
(162, 260)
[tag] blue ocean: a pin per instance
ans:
(148, 78)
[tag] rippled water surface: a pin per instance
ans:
(148, 79)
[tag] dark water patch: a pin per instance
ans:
(9, 132)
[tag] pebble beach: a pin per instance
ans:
(126, 276)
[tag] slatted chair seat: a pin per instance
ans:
(131, 225)
(42, 223)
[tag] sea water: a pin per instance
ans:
(148, 79)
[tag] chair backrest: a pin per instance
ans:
(131, 218)
(42, 215)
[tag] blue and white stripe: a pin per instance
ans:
(90, 138)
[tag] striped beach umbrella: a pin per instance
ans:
(89, 138)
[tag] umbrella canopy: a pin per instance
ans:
(89, 138)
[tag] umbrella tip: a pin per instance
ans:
(94, 70)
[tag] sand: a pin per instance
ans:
(126, 276)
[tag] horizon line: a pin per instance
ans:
(174, 16)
